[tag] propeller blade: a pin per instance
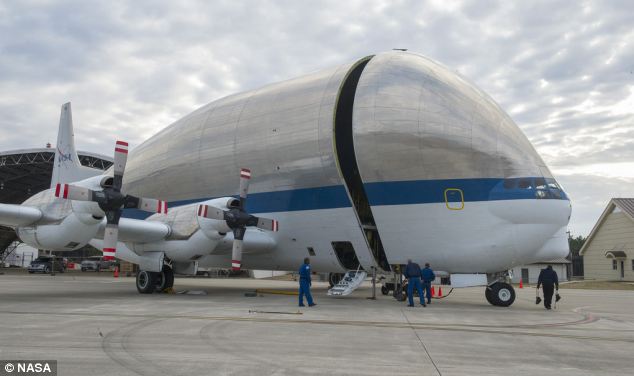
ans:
(245, 177)
(268, 224)
(236, 251)
(211, 212)
(152, 205)
(236, 255)
(73, 192)
(120, 160)
(110, 238)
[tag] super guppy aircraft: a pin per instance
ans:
(367, 164)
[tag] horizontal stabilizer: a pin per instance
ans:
(18, 215)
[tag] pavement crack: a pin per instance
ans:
(421, 343)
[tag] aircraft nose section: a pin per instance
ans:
(553, 213)
(555, 247)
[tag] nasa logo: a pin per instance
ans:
(63, 157)
(29, 367)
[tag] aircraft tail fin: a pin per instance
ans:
(66, 167)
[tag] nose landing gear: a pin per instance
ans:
(500, 294)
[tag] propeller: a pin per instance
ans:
(111, 200)
(238, 219)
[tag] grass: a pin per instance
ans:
(598, 285)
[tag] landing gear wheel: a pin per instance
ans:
(384, 290)
(146, 281)
(400, 293)
(501, 294)
(164, 279)
(334, 278)
(489, 295)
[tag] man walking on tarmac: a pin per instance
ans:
(428, 277)
(304, 284)
(413, 274)
(548, 279)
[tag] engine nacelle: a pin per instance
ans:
(184, 220)
(71, 233)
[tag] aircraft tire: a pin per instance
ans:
(164, 279)
(384, 290)
(334, 278)
(146, 281)
(502, 294)
(489, 295)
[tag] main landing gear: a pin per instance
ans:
(149, 282)
(500, 294)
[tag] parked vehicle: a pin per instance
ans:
(97, 263)
(44, 264)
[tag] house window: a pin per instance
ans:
(614, 265)
(632, 264)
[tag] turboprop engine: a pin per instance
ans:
(62, 225)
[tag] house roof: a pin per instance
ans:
(625, 204)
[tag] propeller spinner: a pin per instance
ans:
(238, 219)
(111, 200)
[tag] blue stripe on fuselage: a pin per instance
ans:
(379, 193)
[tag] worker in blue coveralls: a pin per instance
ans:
(304, 284)
(428, 276)
(413, 274)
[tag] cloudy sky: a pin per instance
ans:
(563, 70)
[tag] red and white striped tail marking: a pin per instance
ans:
(61, 190)
(121, 147)
(161, 207)
(245, 173)
(109, 254)
(276, 225)
(202, 210)
(235, 265)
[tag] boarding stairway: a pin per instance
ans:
(350, 282)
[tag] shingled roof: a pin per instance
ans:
(625, 204)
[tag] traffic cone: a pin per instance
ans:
(116, 272)
(439, 292)
(433, 291)
(521, 284)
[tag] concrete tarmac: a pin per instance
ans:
(97, 325)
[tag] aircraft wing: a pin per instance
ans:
(138, 231)
(18, 215)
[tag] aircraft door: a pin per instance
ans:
(347, 163)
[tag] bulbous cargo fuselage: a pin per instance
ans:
(389, 158)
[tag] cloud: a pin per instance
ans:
(563, 70)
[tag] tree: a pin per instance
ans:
(575, 244)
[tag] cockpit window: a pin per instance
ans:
(527, 187)
(525, 183)
(510, 183)
(554, 188)
(540, 183)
